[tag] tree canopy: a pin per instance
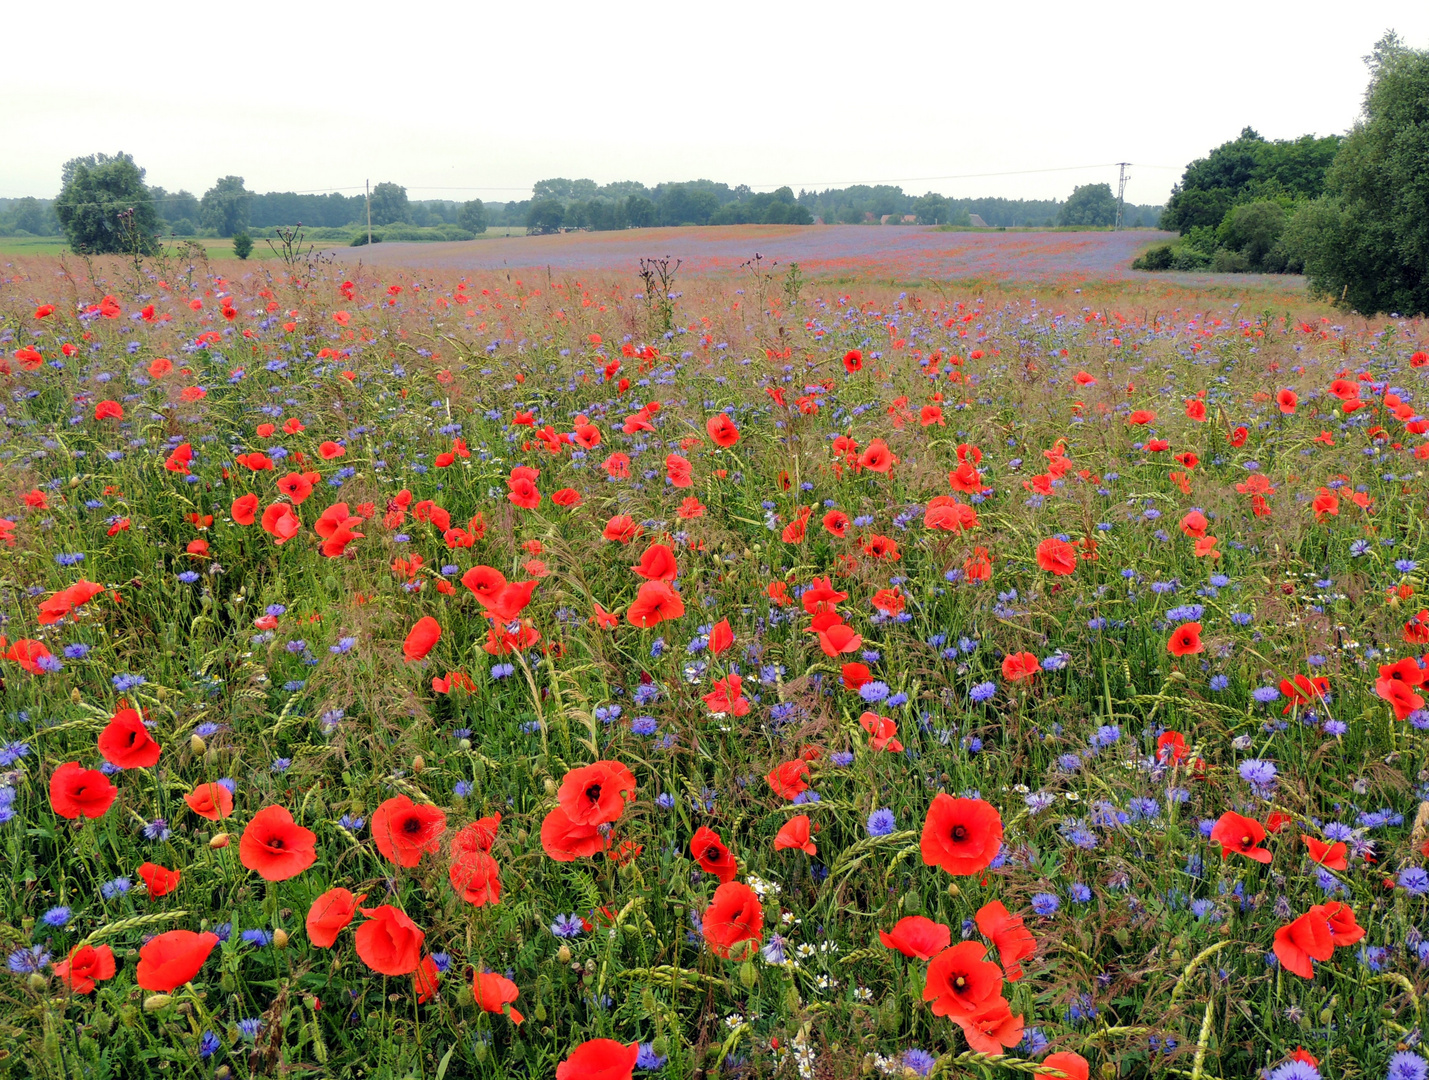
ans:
(1089, 204)
(95, 191)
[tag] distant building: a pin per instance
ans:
(910, 219)
(976, 221)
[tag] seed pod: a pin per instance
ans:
(418, 763)
(155, 1002)
(550, 786)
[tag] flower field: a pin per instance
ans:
(413, 675)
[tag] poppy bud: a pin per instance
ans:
(563, 954)
(550, 786)
(748, 976)
(280, 939)
(479, 1050)
(953, 890)
(155, 1002)
(74, 481)
(211, 757)
(418, 763)
(38, 981)
(220, 840)
(540, 1011)
(1110, 1070)
(647, 1001)
(196, 744)
(911, 902)
(464, 744)
(74, 696)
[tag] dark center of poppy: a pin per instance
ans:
(1245, 841)
(960, 833)
(593, 793)
(960, 982)
(712, 854)
(411, 825)
(276, 843)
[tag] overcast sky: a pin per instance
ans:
(463, 100)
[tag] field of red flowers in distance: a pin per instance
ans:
(429, 669)
(898, 252)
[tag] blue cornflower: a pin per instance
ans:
(1220, 682)
(1405, 1065)
(648, 1059)
(249, 1028)
(881, 822)
(30, 960)
(1045, 904)
(257, 937)
(158, 830)
(644, 725)
(873, 692)
(59, 916)
(920, 1061)
(118, 887)
(1079, 892)
(1414, 881)
(982, 692)
(567, 926)
(208, 1045)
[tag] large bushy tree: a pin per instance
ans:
(94, 192)
(389, 204)
(1366, 243)
(1089, 204)
(225, 207)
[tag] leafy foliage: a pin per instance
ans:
(94, 192)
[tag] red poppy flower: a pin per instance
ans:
(565, 841)
(1241, 835)
(389, 942)
(1171, 747)
(79, 792)
(657, 564)
(566, 497)
(1017, 667)
(734, 916)
(960, 982)
(786, 779)
(212, 801)
(962, 836)
(655, 603)
(1287, 401)
(172, 959)
(474, 875)
(1332, 856)
(329, 916)
(159, 880)
(422, 638)
(599, 1059)
(853, 361)
(1185, 640)
(276, 847)
(721, 637)
(877, 458)
(85, 966)
(796, 834)
(56, 607)
(917, 937)
(992, 1028)
(722, 430)
(678, 471)
(1340, 918)
(426, 980)
(1074, 1065)
(296, 486)
(882, 731)
(709, 851)
(1299, 942)
(1194, 524)
(403, 830)
(507, 604)
(492, 991)
(523, 491)
(1141, 416)
(1009, 934)
(126, 742)
(727, 697)
(244, 509)
(855, 675)
(835, 636)
(1056, 556)
(281, 523)
(27, 652)
(109, 410)
(595, 794)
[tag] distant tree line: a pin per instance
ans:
(104, 185)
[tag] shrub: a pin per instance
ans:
(1226, 261)
(242, 245)
(360, 240)
(1187, 259)
(1155, 258)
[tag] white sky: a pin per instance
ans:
(462, 100)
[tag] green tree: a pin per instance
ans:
(175, 205)
(1089, 204)
(544, 216)
(472, 216)
(1253, 229)
(1367, 242)
(640, 212)
(224, 207)
(94, 191)
(932, 209)
(389, 204)
(242, 245)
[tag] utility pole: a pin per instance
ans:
(368, 184)
(1121, 190)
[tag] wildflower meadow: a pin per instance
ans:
(564, 673)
